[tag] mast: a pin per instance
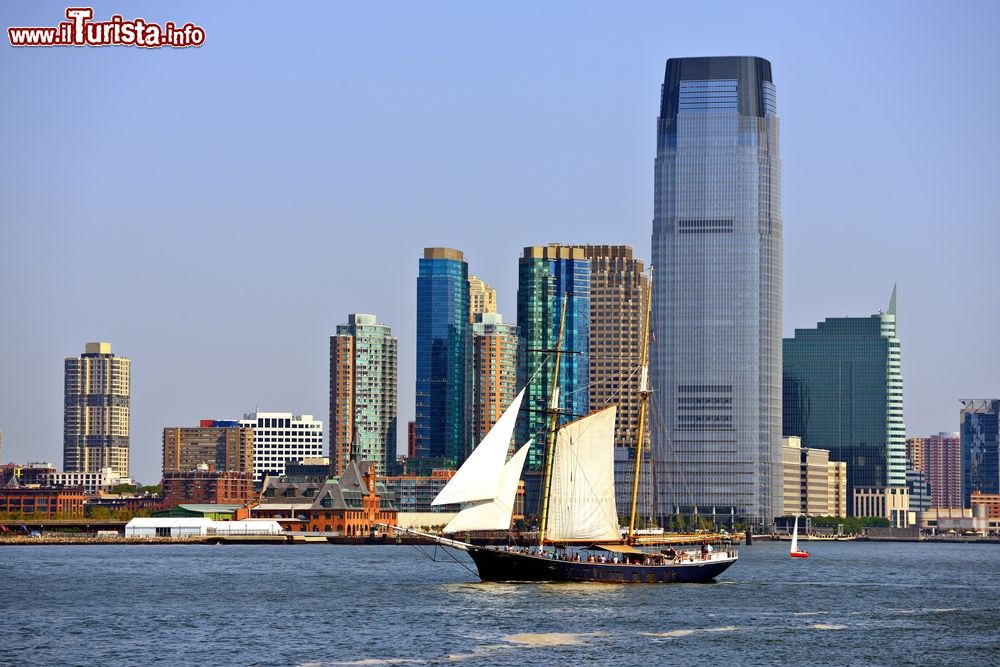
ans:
(554, 411)
(643, 401)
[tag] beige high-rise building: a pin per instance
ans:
(494, 361)
(837, 488)
(813, 484)
(97, 411)
(222, 448)
(617, 310)
(482, 298)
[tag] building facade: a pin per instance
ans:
(887, 502)
(618, 287)
(444, 355)
(363, 385)
(494, 371)
(806, 479)
(217, 445)
(96, 417)
(209, 487)
(548, 276)
(939, 458)
(717, 249)
(40, 502)
(279, 437)
(980, 420)
(843, 391)
(482, 298)
(91, 482)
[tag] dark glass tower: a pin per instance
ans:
(716, 354)
(843, 391)
(444, 355)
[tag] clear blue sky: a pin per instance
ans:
(216, 212)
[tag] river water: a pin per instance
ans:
(850, 604)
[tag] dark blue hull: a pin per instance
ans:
(498, 565)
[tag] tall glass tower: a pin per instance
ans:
(444, 356)
(363, 357)
(843, 391)
(547, 276)
(716, 354)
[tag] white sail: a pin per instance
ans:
(477, 478)
(582, 493)
(795, 536)
(493, 514)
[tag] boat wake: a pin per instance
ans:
(687, 632)
(550, 638)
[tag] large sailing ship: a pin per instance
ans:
(579, 537)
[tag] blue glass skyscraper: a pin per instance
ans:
(980, 446)
(716, 354)
(444, 356)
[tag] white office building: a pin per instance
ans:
(279, 437)
(92, 482)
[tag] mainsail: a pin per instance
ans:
(477, 479)
(493, 514)
(582, 489)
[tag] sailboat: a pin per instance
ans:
(795, 552)
(578, 505)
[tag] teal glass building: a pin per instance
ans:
(716, 351)
(547, 276)
(843, 391)
(444, 357)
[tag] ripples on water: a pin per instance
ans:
(320, 605)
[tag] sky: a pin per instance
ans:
(216, 212)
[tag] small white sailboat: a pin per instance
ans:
(795, 552)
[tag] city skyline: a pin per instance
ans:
(570, 119)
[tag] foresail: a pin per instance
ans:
(477, 478)
(493, 514)
(582, 492)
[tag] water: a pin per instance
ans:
(851, 603)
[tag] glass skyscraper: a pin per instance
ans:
(980, 446)
(843, 391)
(444, 357)
(716, 353)
(363, 357)
(548, 275)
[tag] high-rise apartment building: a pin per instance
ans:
(548, 276)
(494, 359)
(444, 356)
(279, 437)
(843, 391)
(96, 411)
(218, 445)
(363, 373)
(980, 419)
(716, 353)
(482, 298)
(939, 458)
(618, 286)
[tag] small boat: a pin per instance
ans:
(579, 519)
(795, 552)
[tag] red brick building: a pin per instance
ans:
(349, 506)
(50, 502)
(208, 487)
